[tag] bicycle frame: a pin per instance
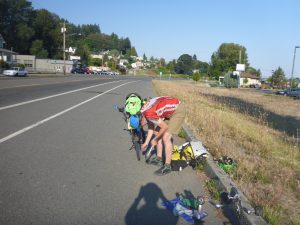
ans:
(137, 135)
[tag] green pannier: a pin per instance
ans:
(133, 104)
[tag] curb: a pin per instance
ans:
(224, 183)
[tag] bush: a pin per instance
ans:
(229, 82)
(196, 76)
(20, 65)
(4, 64)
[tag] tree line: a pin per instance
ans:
(29, 31)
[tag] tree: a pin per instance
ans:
(194, 57)
(115, 41)
(253, 71)
(124, 45)
(144, 57)
(196, 76)
(48, 29)
(95, 62)
(162, 62)
(112, 64)
(105, 59)
(16, 18)
(203, 68)
(226, 58)
(4, 64)
(278, 78)
(84, 53)
(88, 29)
(94, 41)
(184, 64)
(38, 50)
(114, 53)
(133, 52)
(171, 66)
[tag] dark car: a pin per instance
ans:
(282, 92)
(77, 70)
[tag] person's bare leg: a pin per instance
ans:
(159, 147)
(167, 139)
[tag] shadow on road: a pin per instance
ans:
(144, 210)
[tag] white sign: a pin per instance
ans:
(240, 67)
(74, 57)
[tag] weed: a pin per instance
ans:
(273, 215)
(213, 189)
(182, 134)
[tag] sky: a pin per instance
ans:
(268, 29)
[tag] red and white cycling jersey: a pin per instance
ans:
(160, 108)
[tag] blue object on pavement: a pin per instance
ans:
(170, 205)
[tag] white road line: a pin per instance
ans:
(52, 96)
(56, 115)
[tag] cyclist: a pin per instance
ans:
(164, 116)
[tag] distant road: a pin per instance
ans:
(65, 158)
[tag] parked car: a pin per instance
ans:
(77, 70)
(15, 71)
(88, 71)
(294, 93)
(282, 92)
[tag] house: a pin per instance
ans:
(248, 80)
(137, 65)
(5, 54)
(71, 50)
(123, 62)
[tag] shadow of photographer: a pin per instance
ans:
(144, 210)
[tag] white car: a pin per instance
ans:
(15, 71)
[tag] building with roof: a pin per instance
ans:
(6, 55)
(249, 80)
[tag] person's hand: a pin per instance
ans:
(154, 142)
(144, 146)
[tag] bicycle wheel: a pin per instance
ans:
(137, 148)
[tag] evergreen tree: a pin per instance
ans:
(278, 78)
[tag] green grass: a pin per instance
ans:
(213, 189)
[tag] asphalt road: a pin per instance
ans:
(65, 158)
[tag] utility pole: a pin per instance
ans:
(291, 81)
(63, 30)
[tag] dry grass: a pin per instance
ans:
(238, 123)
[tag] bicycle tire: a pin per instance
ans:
(137, 148)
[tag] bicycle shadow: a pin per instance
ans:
(147, 212)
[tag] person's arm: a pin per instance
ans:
(149, 135)
(163, 128)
